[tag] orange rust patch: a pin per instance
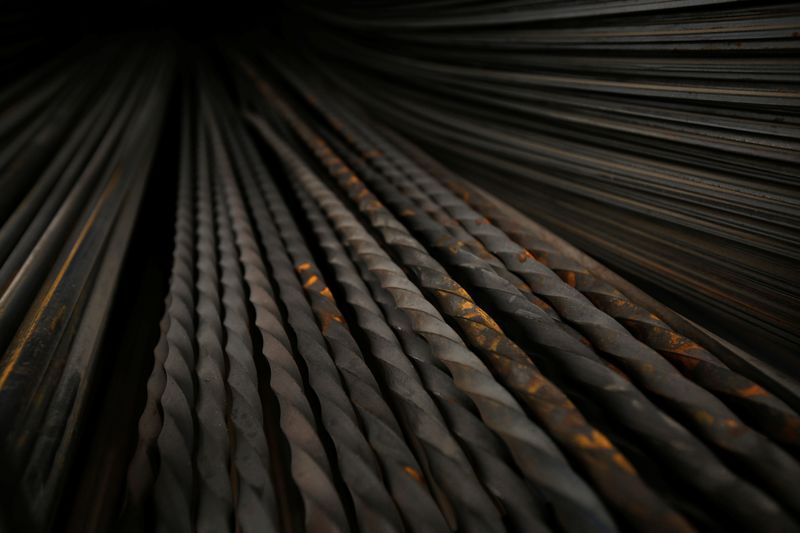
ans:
(595, 441)
(535, 384)
(495, 343)
(732, 424)
(463, 293)
(471, 312)
(326, 292)
(327, 318)
(623, 463)
(413, 472)
(303, 267)
(752, 390)
(489, 321)
(312, 280)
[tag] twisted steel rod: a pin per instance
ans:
(256, 509)
(178, 322)
(574, 502)
(698, 408)
(309, 464)
(654, 428)
(215, 496)
(360, 471)
(401, 470)
(756, 405)
(173, 483)
(417, 197)
(375, 313)
(354, 458)
(576, 360)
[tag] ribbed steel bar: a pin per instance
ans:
(499, 410)
(418, 197)
(358, 331)
(174, 479)
(256, 507)
(759, 407)
(375, 510)
(213, 449)
(541, 333)
(309, 465)
(699, 409)
(459, 232)
(465, 501)
(649, 428)
(401, 471)
(375, 313)
(177, 333)
(661, 142)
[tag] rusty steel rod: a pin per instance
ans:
(272, 269)
(408, 386)
(758, 406)
(701, 411)
(647, 427)
(509, 410)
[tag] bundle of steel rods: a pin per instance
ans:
(77, 146)
(661, 137)
(272, 283)
(356, 339)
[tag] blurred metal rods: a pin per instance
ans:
(269, 288)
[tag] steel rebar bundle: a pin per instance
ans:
(663, 140)
(260, 275)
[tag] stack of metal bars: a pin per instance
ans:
(357, 339)
(355, 334)
(77, 146)
(660, 137)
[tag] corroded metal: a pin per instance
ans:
(57, 300)
(375, 314)
(310, 466)
(354, 457)
(755, 404)
(402, 473)
(474, 378)
(696, 407)
(563, 350)
(470, 504)
(355, 336)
